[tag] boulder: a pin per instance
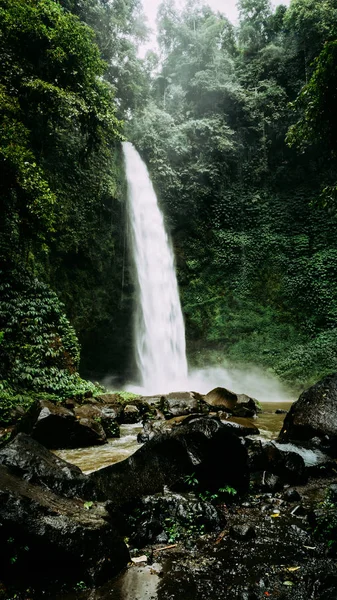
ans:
(276, 459)
(184, 515)
(177, 404)
(57, 427)
(28, 459)
(104, 415)
(203, 446)
(314, 415)
(239, 405)
(241, 427)
(131, 414)
(221, 397)
(44, 537)
(242, 532)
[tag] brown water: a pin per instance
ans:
(141, 582)
(268, 422)
(117, 449)
(95, 457)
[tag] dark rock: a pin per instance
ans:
(86, 411)
(332, 493)
(241, 428)
(104, 415)
(162, 538)
(314, 415)
(246, 407)
(57, 427)
(30, 460)
(107, 398)
(281, 411)
(131, 414)
(276, 459)
(292, 495)
(162, 512)
(266, 481)
(50, 536)
(204, 447)
(182, 403)
(109, 422)
(240, 405)
(272, 482)
(221, 397)
(242, 532)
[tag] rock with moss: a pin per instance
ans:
(55, 426)
(204, 446)
(43, 535)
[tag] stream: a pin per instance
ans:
(142, 582)
(117, 449)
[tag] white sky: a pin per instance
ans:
(227, 7)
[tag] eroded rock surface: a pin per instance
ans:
(47, 536)
(55, 426)
(314, 416)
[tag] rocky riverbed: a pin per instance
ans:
(195, 499)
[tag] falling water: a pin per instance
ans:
(159, 326)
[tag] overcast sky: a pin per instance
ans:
(227, 7)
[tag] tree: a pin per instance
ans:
(51, 84)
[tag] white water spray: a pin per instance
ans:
(159, 326)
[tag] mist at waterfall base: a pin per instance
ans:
(159, 331)
(251, 381)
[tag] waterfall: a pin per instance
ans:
(159, 326)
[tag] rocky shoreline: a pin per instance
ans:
(212, 509)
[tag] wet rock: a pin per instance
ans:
(292, 495)
(246, 407)
(272, 482)
(104, 415)
(57, 427)
(107, 398)
(332, 492)
(28, 459)
(241, 427)
(109, 422)
(242, 532)
(314, 415)
(203, 446)
(266, 482)
(277, 459)
(142, 438)
(131, 414)
(221, 397)
(239, 405)
(162, 538)
(50, 536)
(162, 515)
(182, 403)
(151, 429)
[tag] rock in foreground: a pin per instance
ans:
(203, 446)
(30, 460)
(314, 416)
(57, 427)
(44, 537)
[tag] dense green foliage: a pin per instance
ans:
(238, 127)
(60, 190)
(252, 218)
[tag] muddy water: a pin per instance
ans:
(93, 458)
(143, 582)
(269, 423)
(96, 457)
